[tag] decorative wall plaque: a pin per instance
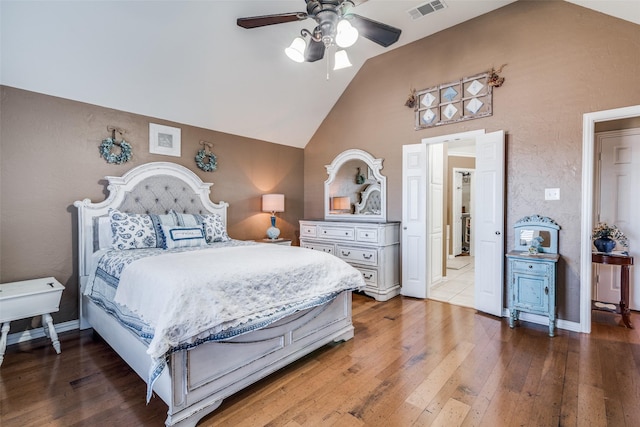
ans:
(466, 99)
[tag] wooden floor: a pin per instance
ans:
(411, 363)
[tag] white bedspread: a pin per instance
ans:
(190, 295)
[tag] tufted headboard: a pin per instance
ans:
(153, 188)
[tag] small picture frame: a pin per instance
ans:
(164, 140)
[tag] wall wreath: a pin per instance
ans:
(211, 163)
(106, 148)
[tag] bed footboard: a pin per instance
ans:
(197, 380)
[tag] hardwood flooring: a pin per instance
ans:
(411, 363)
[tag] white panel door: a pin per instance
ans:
(619, 205)
(489, 223)
(435, 211)
(414, 221)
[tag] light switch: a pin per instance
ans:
(552, 194)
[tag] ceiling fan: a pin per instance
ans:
(336, 25)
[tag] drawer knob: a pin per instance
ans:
(546, 290)
(346, 253)
(530, 266)
(367, 257)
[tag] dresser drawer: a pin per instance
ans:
(336, 233)
(308, 230)
(370, 276)
(368, 235)
(318, 247)
(530, 267)
(358, 255)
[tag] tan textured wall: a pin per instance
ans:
(563, 61)
(49, 158)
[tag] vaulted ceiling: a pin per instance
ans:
(188, 61)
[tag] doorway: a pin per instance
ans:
(422, 213)
(457, 284)
(588, 166)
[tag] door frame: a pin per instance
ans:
(589, 121)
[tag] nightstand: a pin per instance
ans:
(285, 242)
(30, 298)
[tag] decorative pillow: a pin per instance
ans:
(138, 231)
(214, 228)
(183, 237)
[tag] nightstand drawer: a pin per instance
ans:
(369, 235)
(336, 233)
(307, 230)
(531, 267)
(318, 247)
(358, 255)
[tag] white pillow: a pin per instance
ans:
(214, 229)
(183, 237)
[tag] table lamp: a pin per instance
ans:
(273, 203)
(341, 203)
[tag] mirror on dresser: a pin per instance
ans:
(355, 228)
(355, 189)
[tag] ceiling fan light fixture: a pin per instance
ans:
(341, 60)
(346, 34)
(296, 50)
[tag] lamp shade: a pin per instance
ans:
(341, 60)
(341, 203)
(273, 203)
(346, 35)
(296, 50)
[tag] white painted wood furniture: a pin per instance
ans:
(532, 268)
(30, 298)
(372, 248)
(196, 380)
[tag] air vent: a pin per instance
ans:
(426, 8)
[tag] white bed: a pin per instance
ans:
(197, 379)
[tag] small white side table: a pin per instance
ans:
(30, 298)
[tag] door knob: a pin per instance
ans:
(497, 233)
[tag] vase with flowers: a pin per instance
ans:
(606, 237)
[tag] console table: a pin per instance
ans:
(30, 298)
(625, 262)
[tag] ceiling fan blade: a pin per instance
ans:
(261, 21)
(314, 51)
(383, 34)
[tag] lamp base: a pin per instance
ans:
(273, 233)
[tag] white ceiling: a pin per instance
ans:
(188, 61)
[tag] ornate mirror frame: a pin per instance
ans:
(536, 225)
(373, 182)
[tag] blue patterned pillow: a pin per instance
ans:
(138, 231)
(183, 237)
(214, 229)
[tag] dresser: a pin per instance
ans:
(532, 270)
(372, 248)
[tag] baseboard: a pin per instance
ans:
(32, 334)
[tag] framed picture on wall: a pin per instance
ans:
(164, 140)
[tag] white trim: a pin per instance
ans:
(472, 134)
(589, 121)
(32, 334)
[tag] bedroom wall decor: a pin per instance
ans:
(164, 140)
(465, 99)
(211, 163)
(106, 147)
